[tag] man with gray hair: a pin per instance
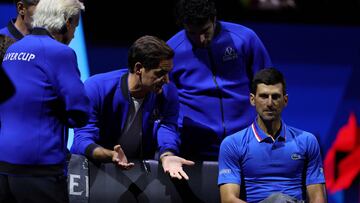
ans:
(20, 26)
(49, 99)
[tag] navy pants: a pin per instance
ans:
(21, 189)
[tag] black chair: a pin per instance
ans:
(147, 182)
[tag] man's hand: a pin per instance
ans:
(120, 159)
(173, 165)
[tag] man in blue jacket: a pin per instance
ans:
(213, 64)
(126, 104)
(49, 99)
(20, 26)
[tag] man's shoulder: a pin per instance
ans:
(48, 42)
(45, 44)
(237, 30)
(230, 26)
(14, 34)
(4, 31)
(236, 143)
(104, 84)
(239, 137)
(111, 76)
(50, 52)
(300, 134)
(177, 40)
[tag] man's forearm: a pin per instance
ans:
(316, 193)
(102, 154)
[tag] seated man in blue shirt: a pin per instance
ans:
(269, 156)
(126, 105)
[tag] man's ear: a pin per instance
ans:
(286, 99)
(20, 7)
(138, 68)
(68, 24)
(252, 99)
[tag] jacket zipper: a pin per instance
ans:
(213, 71)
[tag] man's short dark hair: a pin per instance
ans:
(195, 12)
(28, 2)
(149, 51)
(268, 76)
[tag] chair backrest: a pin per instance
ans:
(78, 179)
(147, 182)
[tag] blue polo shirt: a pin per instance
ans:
(263, 166)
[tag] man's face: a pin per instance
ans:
(28, 15)
(26, 12)
(269, 101)
(201, 35)
(154, 79)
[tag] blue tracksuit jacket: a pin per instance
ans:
(110, 100)
(49, 98)
(213, 85)
(11, 31)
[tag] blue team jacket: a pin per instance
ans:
(11, 31)
(110, 100)
(213, 86)
(49, 98)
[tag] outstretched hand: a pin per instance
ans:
(119, 158)
(173, 166)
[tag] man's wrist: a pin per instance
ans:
(165, 154)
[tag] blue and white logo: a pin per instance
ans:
(295, 156)
(230, 54)
(225, 171)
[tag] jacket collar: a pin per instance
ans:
(13, 30)
(125, 88)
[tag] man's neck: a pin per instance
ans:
(58, 37)
(135, 87)
(20, 25)
(269, 127)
